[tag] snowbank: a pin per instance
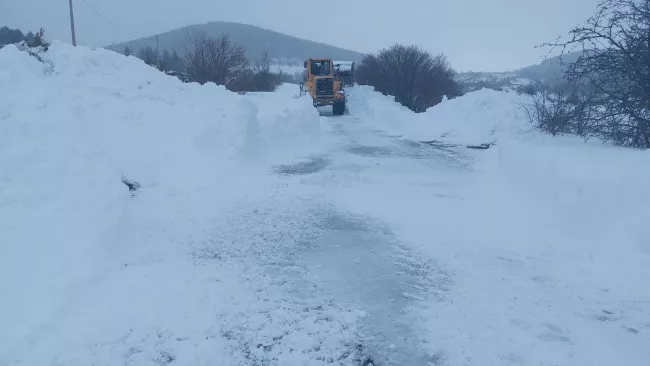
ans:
(91, 272)
(479, 117)
(476, 118)
(382, 110)
(288, 126)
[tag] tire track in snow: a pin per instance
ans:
(360, 262)
(357, 262)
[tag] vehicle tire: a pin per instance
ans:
(338, 109)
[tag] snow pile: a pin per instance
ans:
(382, 110)
(479, 117)
(288, 125)
(114, 185)
(476, 118)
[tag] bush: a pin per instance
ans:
(38, 40)
(528, 89)
(417, 79)
(10, 36)
(264, 79)
(217, 60)
(612, 75)
(557, 110)
(256, 78)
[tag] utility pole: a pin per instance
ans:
(74, 37)
(157, 52)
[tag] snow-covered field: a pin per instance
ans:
(260, 233)
(287, 69)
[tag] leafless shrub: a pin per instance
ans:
(243, 82)
(614, 72)
(558, 110)
(217, 60)
(265, 80)
(528, 89)
(257, 77)
(417, 79)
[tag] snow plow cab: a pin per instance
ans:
(323, 84)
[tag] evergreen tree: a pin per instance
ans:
(177, 63)
(166, 61)
(29, 36)
(38, 40)
(149, 56)
(10, 36)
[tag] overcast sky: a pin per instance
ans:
(490, 35)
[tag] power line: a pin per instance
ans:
(100, 14)
(106, 19)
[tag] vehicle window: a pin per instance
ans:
(320, 68)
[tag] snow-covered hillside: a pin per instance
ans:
(257, 232)
(287, 69)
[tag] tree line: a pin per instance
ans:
(219, 60)
(417, 78)
(12, 36)
(605, 94)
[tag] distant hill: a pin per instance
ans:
(550, 68)
(287, 49)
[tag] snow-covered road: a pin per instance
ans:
(338, 285)
(356, 260)
(260, 233)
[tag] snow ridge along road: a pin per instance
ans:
(144, 221)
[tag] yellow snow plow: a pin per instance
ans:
(323, 84)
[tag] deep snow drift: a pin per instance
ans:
(541, 244)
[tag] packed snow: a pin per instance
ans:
(148, 221)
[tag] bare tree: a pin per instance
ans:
(265, 79)
(214, 60)
(614, 68)
(417, 79)
(558, 109)
(257, 77)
